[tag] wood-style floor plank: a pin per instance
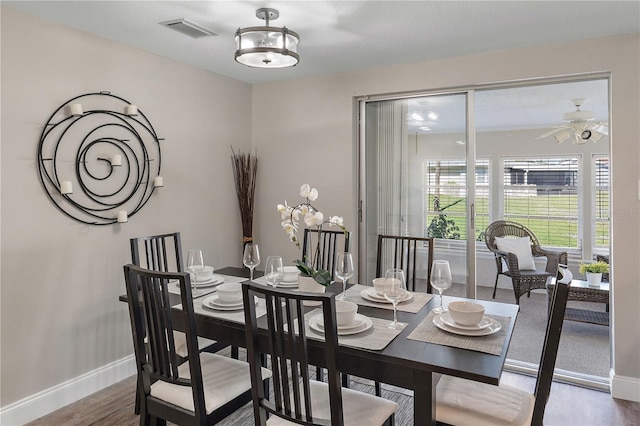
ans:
(568, 406)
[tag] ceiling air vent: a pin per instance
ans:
(189, 28)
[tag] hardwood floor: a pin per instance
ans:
(568, 406)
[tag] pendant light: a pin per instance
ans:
(267, 47)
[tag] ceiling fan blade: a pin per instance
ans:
(560, 128)
(600, 128)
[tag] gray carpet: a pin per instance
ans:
(584, 348)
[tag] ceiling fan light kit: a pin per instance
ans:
(580, 125)
(267, 47)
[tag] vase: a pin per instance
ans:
(308, 284)
(594, 279)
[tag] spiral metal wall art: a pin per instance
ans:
(99, 159)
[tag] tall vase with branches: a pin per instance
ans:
(245, 169)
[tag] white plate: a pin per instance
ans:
(214, 302)
(371, 295)
(484, 323)
(494, 327)
(214, 280)
(357, 322)
(284, 284)
(314, 324)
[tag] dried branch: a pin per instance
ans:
(245, 168)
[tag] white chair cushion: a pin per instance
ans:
(180, 340)
(521, 247)
(358, 408)
(223, 379)
(465, 402)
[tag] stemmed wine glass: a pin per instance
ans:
(440, 280)
(394, 290)
(273, 272)
(195, 265)
(344, 271)
(251, 257)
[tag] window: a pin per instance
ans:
(542, 194)
(445, 197)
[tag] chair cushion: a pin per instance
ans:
(521, 247)
(465, 402)
(358, 408)
(223, 379)
(181, 343)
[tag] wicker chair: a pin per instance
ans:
(523, 281)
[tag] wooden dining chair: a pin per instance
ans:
(296, 398)
(406, 253)
(466, 402)
(328, 248)
(202, 390)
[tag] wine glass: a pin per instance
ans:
(344, 271)
(394, 290)
(440, 280)
(273, 272)
(195, 265)
(251, 257)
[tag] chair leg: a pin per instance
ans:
(319, 374)
(234, 352)
(495, 286)
(378, 389)
(345, 381)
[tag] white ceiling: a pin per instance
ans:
(340, 36)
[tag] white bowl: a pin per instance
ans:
(205, 275)
(290, 273)
(466, 313)
(229, 292)
(345, 312)
(378, 284)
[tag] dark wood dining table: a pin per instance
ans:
(406, 363)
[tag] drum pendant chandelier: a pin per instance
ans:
(267, 47)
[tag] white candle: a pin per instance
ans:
(122, 216)
(158, 181)
(75, 109)
(66, 187)
(131, 110)
(116, 160)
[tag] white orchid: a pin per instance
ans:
(312, 217)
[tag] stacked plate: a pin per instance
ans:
(485, 327)
(288, 284)
(214, 302)
(359, 324)
(213, 281)
(371, 295)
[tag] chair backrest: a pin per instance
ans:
(328, 248)
(158, 252)
(156, 359)
(288, 352)
(550, 348)
(395, 251)
(505, 228)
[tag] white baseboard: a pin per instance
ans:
(49, 400)
(627, 388)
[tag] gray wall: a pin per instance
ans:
(61, 280)
(313, 129)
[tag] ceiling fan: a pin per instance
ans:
(580, 126)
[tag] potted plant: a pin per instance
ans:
(594, 272)
(312, 217)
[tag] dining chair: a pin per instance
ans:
(202, 390)
(328, 248)
(297, 399)
(515, 247)
(406, 253)
(466, 402)
(163, 253)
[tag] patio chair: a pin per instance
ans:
(466, 402)
(516, 258)
(296, 398)
(202, 390)
(328, 248)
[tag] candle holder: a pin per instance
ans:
(115, 153)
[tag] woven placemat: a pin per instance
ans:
(376, 338)
(411, 306)
(492, 344)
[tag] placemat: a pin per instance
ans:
(235, 316)
(376, 338)
(412, 306)
(174, 288)
(427, 331)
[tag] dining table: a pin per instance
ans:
(412, 358)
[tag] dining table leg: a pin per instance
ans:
(424, 398)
